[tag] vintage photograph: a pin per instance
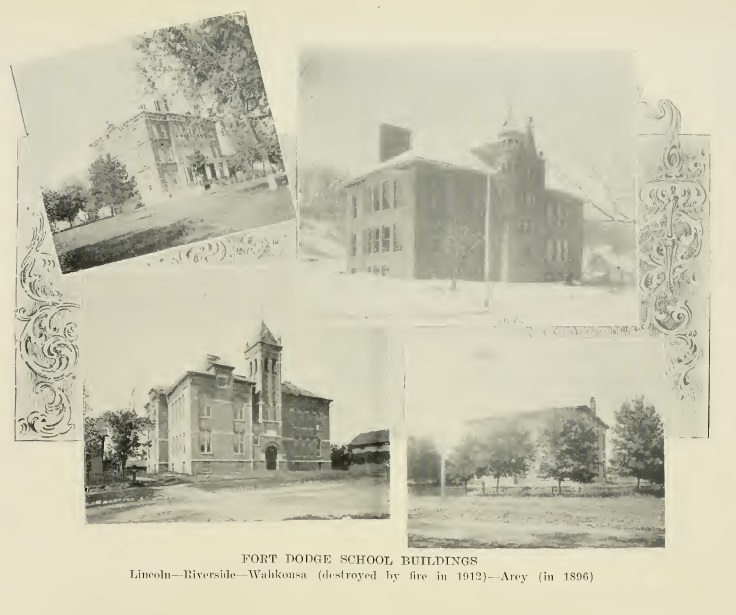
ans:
(480, 179)
(209, 401)
(157, 141)
(536, 442)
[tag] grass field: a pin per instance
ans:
(536, 522)
(186, 218)
(278, 496)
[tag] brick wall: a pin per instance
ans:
(306, 430)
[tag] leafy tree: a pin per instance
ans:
(213, 64)
(423, 461)
(340, 457)
(507, 452)
(638, 442)
(570, 452)
(197, 162)
(128, 432)
(65, 204)
(464, 464)
(111, 185)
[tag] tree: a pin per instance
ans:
(93, 439)
(213, 63)
(340, 457)
(65, 204)
(422, 461)
(128, 432)
(570, 452)
(464, 464)
(638, 442)
(459, 242)
(111, 185)
(507, 452)
(197, 162)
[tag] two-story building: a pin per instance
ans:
(535, 423)
(216, 421)
(423, 216)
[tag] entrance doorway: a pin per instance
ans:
(271, 454)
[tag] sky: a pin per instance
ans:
(582, 104)
(67, 101)
(455, 374)
(167, 322)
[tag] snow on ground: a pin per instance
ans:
(322, 289)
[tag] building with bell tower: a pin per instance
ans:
(422, 215)
(215, 420)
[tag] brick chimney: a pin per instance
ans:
(592, 404)
(392, 141)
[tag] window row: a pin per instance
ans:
(306, 448)
(377, 240)
(239, 410)
(268, 366)
(178, 445)
(376, 198)
(558, 250)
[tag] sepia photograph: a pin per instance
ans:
(156, 141)
(208, 401)
(473, 179)
(536, 443)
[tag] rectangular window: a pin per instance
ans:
(397, 244)
(396, 193)
(240, 412)
(565, 250)
(376, 203)
(367, 241)
(157, 105)
(386, 238)
(367, 199)
(376, 240)
(384, 195)
(353, 244)
(550, 250)
(255, 412)
(239, 443)
(355, 206)
(223, 380)
(205, 442)
(206, 412)
(384, 270)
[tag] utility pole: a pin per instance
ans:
(487, 262)
(443, 457)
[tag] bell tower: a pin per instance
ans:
(263, 360)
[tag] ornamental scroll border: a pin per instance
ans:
(46, 320)
(673, 245)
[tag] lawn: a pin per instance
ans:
(280, 496)
(186, 218)
(536, 522)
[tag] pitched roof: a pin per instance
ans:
(545, 411)
(287, 388)
(459, 160)
(380, 436)
(263, 334)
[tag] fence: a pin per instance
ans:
(594, 490)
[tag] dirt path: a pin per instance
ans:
(360, 498)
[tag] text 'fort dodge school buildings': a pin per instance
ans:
(419, 216)
(220, 422)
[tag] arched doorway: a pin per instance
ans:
(271, 453)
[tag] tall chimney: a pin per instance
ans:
(592, 404)
(392, 141)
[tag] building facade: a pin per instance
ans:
(371, 447)
(221, 422)
(424, 217)
(535, 423)
(156, 146)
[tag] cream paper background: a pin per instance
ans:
(52, 562)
